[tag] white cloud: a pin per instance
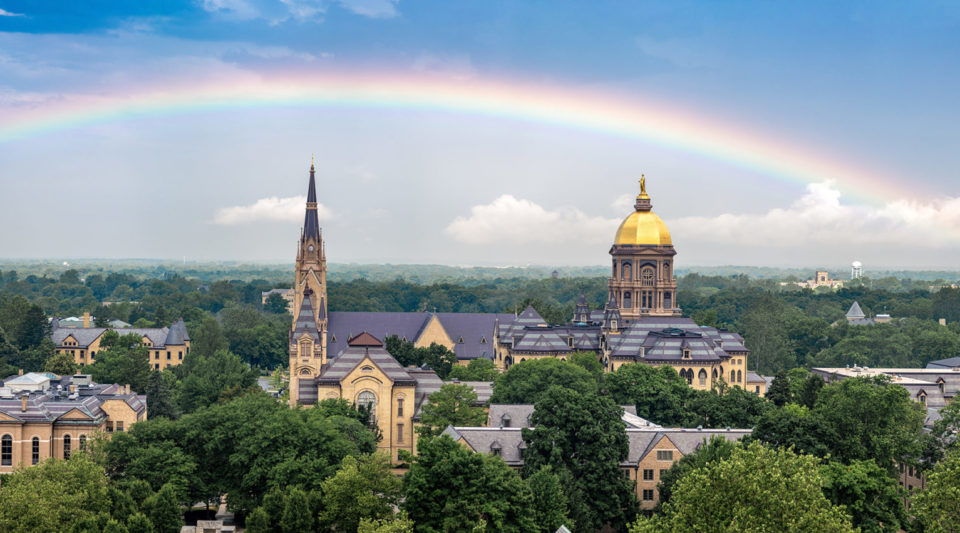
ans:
(511, 220)
(378, 9)
(273, 11)
(819, 217)
(272, 209)
(5, 13)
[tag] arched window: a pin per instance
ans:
(666, 271)
(714, 373)
(733, 376)
(687, 374)
(646, 277)
(627, 300)
(6, 451)
(83, 442)
(35, 445)
(66, 446)
(739, 375)
(625, 271)
(368, 400)
(668, 300)
(703, 377)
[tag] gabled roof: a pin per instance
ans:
(305, 324)
(365, 340)
(855, 312)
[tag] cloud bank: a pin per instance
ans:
(272, 209)
(818, 217)
(5, 13)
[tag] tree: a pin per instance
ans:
(779, 392)
(61, 364)
(658, 392)
(584, 435)
(439, 358)
(549, 501)
(124, 361)
(792, 426)
(731, 407)
(481, 369)
(870, 494)
(53, 496)
(716, 449)
(936, 505)
(259, 522)
(163, 510)
(139, 523)
(206, 378)
(209, 338)
(526, 381)
(276, 304)
(450, 488)
(756, 489)
(943, 435)
(810, 390)
(400, 524)
(160, 395)
(363, 488)
(296, 513)
(453, 405)
(589, 361)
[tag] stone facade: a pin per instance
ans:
(165, 346)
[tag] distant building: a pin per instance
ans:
(820, 279)
(856, 317)
(856, 270)
(43, 415)
(165, 346)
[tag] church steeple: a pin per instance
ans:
(311, 225)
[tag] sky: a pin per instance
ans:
(804, 134)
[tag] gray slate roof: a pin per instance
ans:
(159, 337)
(305, 323)
(953, 362)
(855, 312)
(48, 406)
(518, 415)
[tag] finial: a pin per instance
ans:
(311, 161)
(643, 184)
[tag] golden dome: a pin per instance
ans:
(643, 228)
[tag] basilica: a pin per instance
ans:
(342, 354)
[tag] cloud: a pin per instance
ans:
(378, 9)
(510, 220)
(5, 13)
(819, 217)
(272, 209)
(273, 11)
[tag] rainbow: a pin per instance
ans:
(621, 115)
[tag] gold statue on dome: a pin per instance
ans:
(643, 184)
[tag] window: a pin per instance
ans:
(733, 376)
(66, 446)
(83, 442)
(668, 300)
(664, 455)
(399, 432)
(686, 353)
(35, 445)
(6, 450)
(460, 340)
(109, 426)
(646, 277)
(368, 401)
(702, 376)
(483, 340)
(168, 356)
(739, 375)
(625, 271)
(922, 398)
(648, 495)
(627, 303)
(119, 425)
(757, 390)
(156, 355)
(180, 355)
(648, 474)
(157, 366)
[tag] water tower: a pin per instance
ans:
(856, 270)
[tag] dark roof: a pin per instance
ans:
(51, 404)
(365, 340)
(952, 362)
(311, 225)
(177, 335)
(305, 323)
(855, 311)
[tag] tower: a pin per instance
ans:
(308, 333)
(642, 282)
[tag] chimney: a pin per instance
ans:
(86, 319)
(23, 403)
(126, 389)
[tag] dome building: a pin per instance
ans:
(641, 281)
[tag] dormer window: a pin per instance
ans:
(483, 340)
(570, 342)
(922, 398)
(333, 338)
(505, 421)
(460, 340)
(496, 448)
(686, 353)
(940, 385)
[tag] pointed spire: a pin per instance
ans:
(311, 225)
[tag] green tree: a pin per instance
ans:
(716, 449)
(53, 495)
(400, 524)
(161, 395)
(124, 361)
(163, 510)
(259, 522)
(779, 392)
(61, 364)
(113, 526)
(936, 505)
(589, 361)
(139, 523)
(810, 390)
(363, 488)
(731, 407)
(208, 338)
(296, 513)
(481, 369)
(206, 378)
(658, 392)
(453, 405)
(526, 381)
(870, 494)
(943, 435)
(756, 489)
(549, 501)
(276, 304)
(450, 488)
(584, 435)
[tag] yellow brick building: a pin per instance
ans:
(165, 346)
